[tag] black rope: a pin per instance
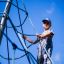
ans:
(20, 19)
(32, 59)
(7, 45)
(14, 5)
(17, 36)
(15, 58)
(15, 30)
(24, 20)
(17, 26)
(26, 34)
(22, 31)
(20, 24)
(18, 57)
(12, 27)
(11, 41)
(25, 8)
(16, 46)
(25, 11)
(28, 57)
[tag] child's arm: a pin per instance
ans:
(29, 40)
(47, 34)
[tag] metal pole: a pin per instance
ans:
(4, 18)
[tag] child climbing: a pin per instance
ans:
(45, 43)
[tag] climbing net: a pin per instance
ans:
(10, 28)
(13, 33)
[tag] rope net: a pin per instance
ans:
(16, 48)
(18, 23)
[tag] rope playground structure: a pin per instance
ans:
(4, 18)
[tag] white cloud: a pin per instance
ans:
(57, 57)
(50, 11)
(50, 8)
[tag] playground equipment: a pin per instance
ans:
(4, 19)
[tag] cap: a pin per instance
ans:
(48, 21)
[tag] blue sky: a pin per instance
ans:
(37, 10)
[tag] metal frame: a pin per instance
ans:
(4, 19)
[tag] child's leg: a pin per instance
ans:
(49, 52)
(40, 57)
(46, 58)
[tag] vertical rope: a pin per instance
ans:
(7, 45)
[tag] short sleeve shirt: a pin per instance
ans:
(47, 42)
